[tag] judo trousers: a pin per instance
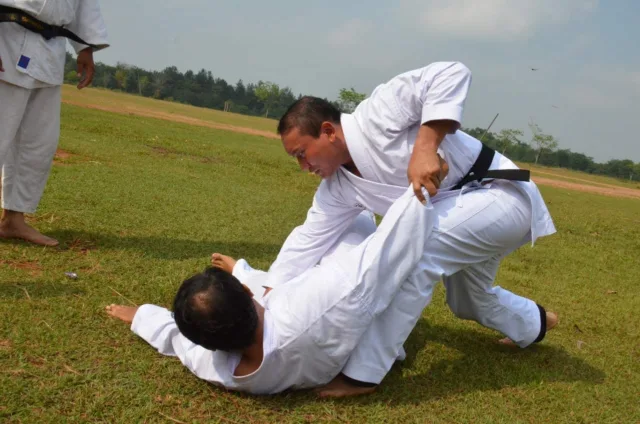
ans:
(29, 133)
(471, 235)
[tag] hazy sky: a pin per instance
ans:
(586, 91)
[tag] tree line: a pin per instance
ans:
(268, 99)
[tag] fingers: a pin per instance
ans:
(417, 189)
(430, 185)
(86, 73)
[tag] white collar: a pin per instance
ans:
(356, 144)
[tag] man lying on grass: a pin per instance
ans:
(300, 334)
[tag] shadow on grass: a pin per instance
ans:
(477, 364)
(22, 290)
(163, 247)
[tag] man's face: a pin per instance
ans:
(322, 156)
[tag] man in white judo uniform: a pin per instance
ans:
(32, 59)
(301, 333)
(366, 159)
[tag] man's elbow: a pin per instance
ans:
(460, 70)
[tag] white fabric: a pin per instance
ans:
(362, 227)
(491, 222)
(314, 321)
(29, 132)
(380, 135)
(47, 58)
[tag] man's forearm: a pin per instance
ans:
(431, 135)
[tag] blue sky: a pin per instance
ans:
(586, 91)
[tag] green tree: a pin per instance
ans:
(72, 77)
(121, 78)
(508, 137)
(350, 99)
(540, 141)
(267, 92)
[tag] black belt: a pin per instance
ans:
(480, 170)
(10, 14)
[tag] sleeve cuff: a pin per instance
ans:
(144, 312)
(448, 112)
(78, 47)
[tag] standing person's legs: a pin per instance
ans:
(27, 163)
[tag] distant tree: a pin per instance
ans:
(72, 77)
(268, 93)
(541, 141)
(350, 99)
(121, 78)
(508, 138)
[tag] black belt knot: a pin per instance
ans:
(480, 170)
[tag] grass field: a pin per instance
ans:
(139, 204)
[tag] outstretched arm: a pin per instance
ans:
(157, 327)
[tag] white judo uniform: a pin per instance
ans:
(466, 244)
(30, 90)
(313, 322)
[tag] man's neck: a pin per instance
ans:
(253, 355)
(351, 167)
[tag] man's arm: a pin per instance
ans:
(433, 96)
(157, 327)
(89, 25)
(326, 220)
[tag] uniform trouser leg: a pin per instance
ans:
(28, 144)
(468, 232)
(471, 295)
(340, 298)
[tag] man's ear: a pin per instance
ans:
(329, 129)
(248, 290)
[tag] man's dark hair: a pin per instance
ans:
(307, 114)
(213, 310)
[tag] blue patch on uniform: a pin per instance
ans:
(24, 61)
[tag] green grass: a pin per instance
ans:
(142, 203)
(129, 102)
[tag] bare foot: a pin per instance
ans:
(225, 263)
(124, 313)
(16, 228)
(339, 387)
(552, 321)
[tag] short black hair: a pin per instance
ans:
(307, 114)
(212, 309)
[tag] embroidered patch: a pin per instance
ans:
(24, 61)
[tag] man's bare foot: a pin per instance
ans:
(225, 263)
(340, 387)
(13, 226)
(552, 321)
(124, 313)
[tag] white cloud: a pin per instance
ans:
(350, 33)
(494, 19)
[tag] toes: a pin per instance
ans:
(507, 342)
